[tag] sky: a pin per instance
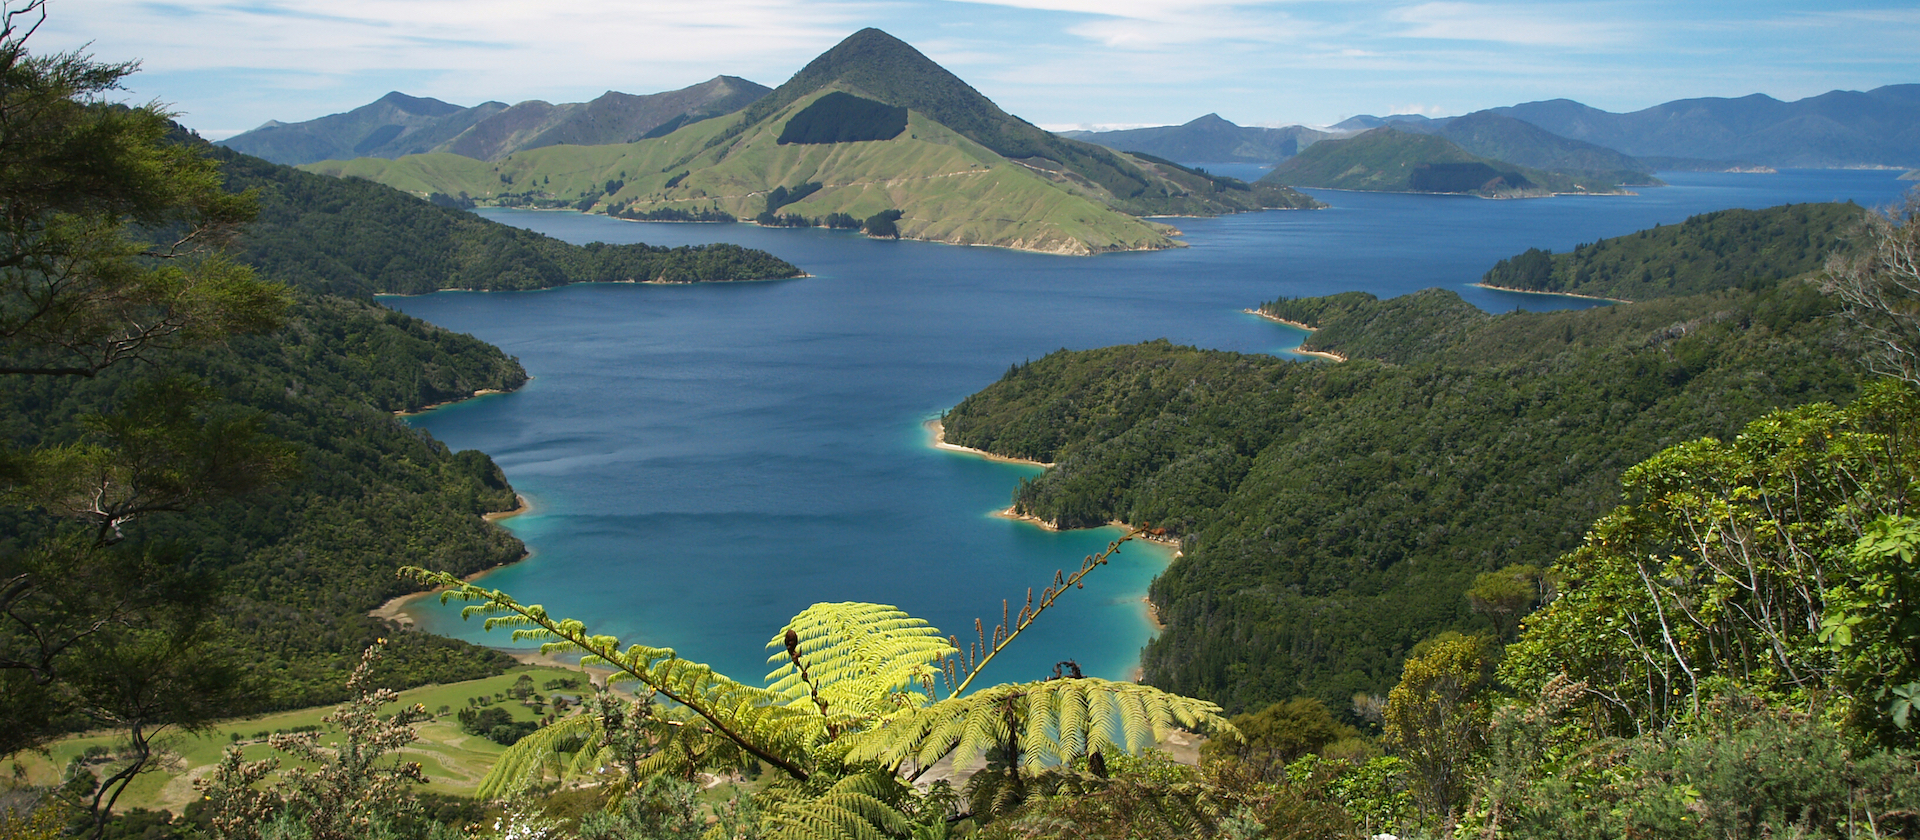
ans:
(227, 66)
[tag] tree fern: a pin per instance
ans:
(1051, 722)
(851, 702)
(855, 662)
(858, 807)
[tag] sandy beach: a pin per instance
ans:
(1554, 294)
(424, 409)
(1318, 354)
(939, 433)
(395, 610)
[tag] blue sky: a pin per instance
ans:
(230, 65)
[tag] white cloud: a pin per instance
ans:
(1524, 24)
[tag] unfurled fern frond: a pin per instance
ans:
(1049, 723)
(540, 751)
(858, 807)
(754, 718)
(854, 662)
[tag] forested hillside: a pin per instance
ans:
(298, 565)
(327, 491)
(1730, 248)
(352, 237)
(1332, 515)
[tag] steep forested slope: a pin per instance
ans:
(1332, 514)
(300, 564)
(353, 237)
(1709, 251)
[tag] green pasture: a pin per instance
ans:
(454, 761)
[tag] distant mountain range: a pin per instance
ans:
(397, 124)
(1388, 159)
(1880, 127)
(871, 127)
(1209, 139)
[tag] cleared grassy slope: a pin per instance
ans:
(949, 188)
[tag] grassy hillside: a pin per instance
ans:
(962, 171)
(1388, 160)
(948, 188)
(1332, 514)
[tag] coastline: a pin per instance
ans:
(395, 609)
(483, 392)
(939, 441)
(1550, 294)
(1149, 612)
(1318, 354)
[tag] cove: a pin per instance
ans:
(706, 461)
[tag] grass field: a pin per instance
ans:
(454, 761)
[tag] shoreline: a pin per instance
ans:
(483, 392)
(1549, 294)
(1318, 354)
(1148, 610)
(395, 609)
(939, 433)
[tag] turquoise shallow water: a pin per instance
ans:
(706, 461)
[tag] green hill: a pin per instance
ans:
(1389, 160)
(962, 171)
(1501, 137)
(352, 237)
(1332, 514)
(1723, 250)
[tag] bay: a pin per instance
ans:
(706, 461)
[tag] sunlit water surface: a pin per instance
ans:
(706, 461)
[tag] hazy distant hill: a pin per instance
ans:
(870, 127)
(1209, 139)
(1880, 127)
(397, 124)
(1392, 160)
(1501, 137)
(1366, 122)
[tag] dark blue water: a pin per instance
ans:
(706, 461)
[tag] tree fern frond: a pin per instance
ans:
(1054, 721)
(860, 660)
(535, 754)
(857, 807)
(748, 716)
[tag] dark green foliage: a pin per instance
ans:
(1743, 772)
(1399, 161)
(298, 567)
(841, 117)
(1401, 330)
(781, 196)
(1334, 515)
(841, 221)
(353, 237)
(1464, 177)
(495, 724)
(460, 202)
(672, 214)
(1723, 250)
(883, 224)
(675, 180)
(784, 220)
(1278, 735)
